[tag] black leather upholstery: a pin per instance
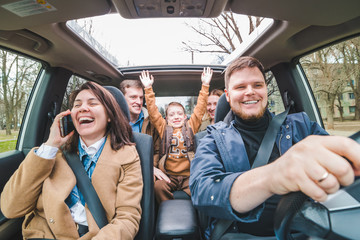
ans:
(177, 220)
(181, 195)
(120, 99)
(199, 136)
(221, 111)
(222, 108)
(144, 147)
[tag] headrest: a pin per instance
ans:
(222, 108)
(119, 97)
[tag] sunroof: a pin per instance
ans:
(140, 42)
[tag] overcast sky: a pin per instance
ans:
(148, 41)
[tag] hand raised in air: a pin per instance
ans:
(146, 79)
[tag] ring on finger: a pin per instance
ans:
(323, 177)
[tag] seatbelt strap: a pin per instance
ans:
(267, 144)
(87, 189)
(261, 159)
(220, 228)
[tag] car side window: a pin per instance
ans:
(275, 103)
(334, 76)
(17, 78)
(74, 83)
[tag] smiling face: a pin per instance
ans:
(247, 93)
(175, 116)
(89, 117)
(135, 98)
(211, 105)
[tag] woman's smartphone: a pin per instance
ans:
(66, 125)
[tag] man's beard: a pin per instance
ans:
(246, 117)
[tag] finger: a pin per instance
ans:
(61, 114)
(340, 168)
(157, 175)
(165, 177)
(311, 189)
(330, 150)
(315, 170)
(345, 147)
(330, 184)
(66, 138)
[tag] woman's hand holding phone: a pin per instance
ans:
(55, 139)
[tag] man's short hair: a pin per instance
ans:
(130, 83)
(172, 104)
(241, 63)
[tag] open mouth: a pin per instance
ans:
(251, 102)
(85, 120)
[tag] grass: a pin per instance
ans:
(8, 142)
(7, 146)
(13, 135)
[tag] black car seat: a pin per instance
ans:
(144, 147)
(221, 111)
(222, 108)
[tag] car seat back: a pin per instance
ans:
(221, 111)
(144, 147)
(222, 108)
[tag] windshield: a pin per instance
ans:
(138, 42)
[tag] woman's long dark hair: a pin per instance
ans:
(118, 128)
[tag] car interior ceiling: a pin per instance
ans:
(304, 26)
(299, 28)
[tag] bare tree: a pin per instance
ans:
(340, 107)
(326, 78)
(219, 35)
(351, 63)
(74, 83)
(15, 75)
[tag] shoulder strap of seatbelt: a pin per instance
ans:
(267, 144)
(261, 159)
(220, 228)
(87, 189)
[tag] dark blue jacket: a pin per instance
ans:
(212, 176)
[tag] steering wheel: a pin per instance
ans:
(337, 218)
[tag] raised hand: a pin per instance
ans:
(146, 79)
(206, 76)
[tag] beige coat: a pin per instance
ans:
(40, 186)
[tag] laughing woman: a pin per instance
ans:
(44, 188)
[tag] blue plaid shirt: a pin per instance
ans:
(89, 165)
